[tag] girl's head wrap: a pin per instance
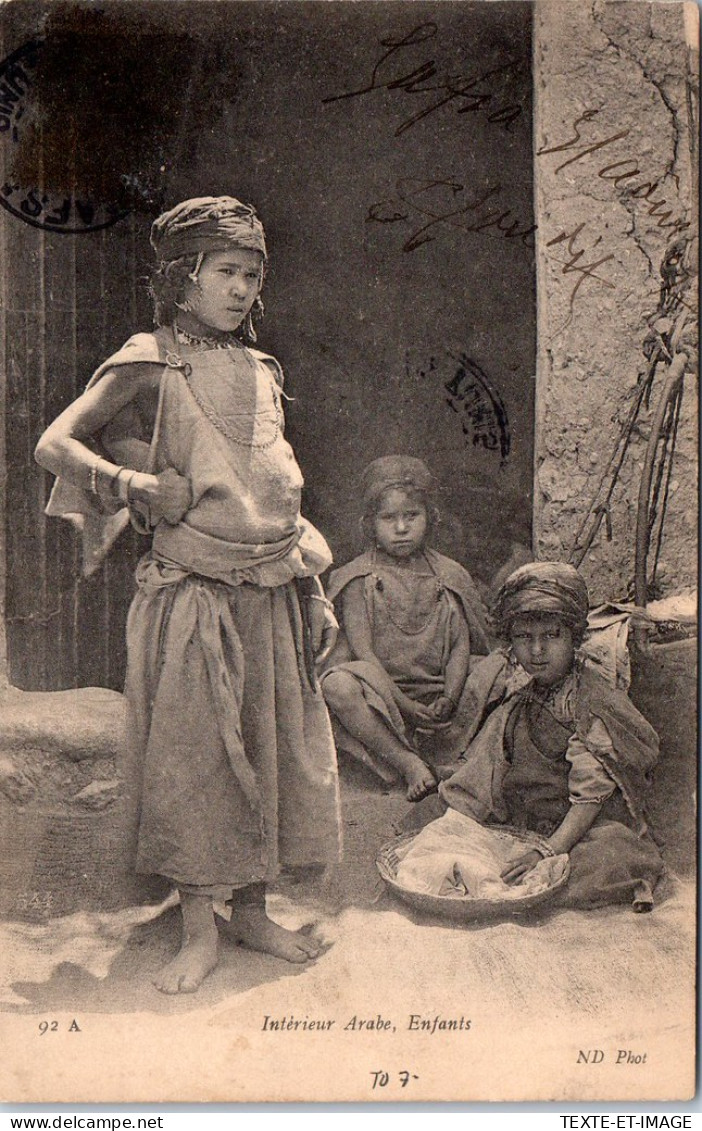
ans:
(403, 472)
(206, 224)
(542, 587)
(182, 237)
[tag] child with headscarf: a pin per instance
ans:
(183, 428)
(411, 618)
(555, 749)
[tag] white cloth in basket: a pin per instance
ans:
(457, 857)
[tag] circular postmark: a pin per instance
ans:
(38, 204)
(475, 401)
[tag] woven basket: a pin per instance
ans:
(465, 909)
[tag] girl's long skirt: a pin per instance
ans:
(234, 762)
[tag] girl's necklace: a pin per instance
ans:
(236, 349)
(557, 698)
(391, 611)
(203, 342)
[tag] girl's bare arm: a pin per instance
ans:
(574, 825)
(572, 828)
(63, 451)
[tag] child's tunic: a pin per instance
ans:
(533, 755)
(236, 762)
(415, 620)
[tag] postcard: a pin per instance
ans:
(349, 551)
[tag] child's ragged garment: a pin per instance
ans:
(236, 763)
(413, 622)
(532, 756)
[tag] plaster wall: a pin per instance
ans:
(614, 184)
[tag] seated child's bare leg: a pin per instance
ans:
(197, 956)
(251, 927)
(348, 703)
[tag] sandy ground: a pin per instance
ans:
(531, 999)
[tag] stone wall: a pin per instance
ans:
(615, 168)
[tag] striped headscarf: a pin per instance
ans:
(206, 224)
(542, 587)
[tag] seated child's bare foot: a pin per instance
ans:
(250, 926)
(420, 780)
(196, 959)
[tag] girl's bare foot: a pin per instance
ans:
(196, 959)
(419, 778)
(250, 926)
(197, 956)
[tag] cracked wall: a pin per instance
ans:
(615, 173)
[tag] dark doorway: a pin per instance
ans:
(388, 150)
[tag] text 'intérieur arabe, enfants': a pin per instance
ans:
(377, 1023)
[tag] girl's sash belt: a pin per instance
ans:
(304, 553)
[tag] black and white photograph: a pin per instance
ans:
(348, 551)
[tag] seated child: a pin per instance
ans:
(410, 620)
(556, 749)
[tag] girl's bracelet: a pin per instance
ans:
(123, 485)
(114, 478)
(324, 600)
(545, 850)
(93, 478)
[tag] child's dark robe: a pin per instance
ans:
(515, 772)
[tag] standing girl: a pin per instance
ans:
(237, 769)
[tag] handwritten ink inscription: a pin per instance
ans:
(574, 264)
(579, 245)
(447, 204)
(413, 67)
(618, 172)
(402, 69)
(381, 1078)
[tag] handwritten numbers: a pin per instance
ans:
(382, 1079)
